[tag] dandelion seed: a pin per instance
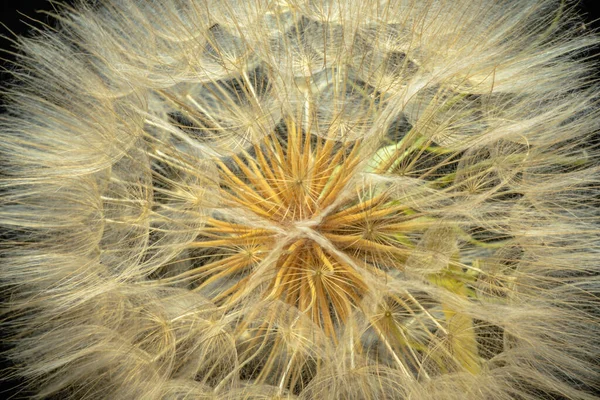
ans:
(312, 199)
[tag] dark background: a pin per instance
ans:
(15, 15)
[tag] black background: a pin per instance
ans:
(15, 15)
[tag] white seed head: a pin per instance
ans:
(303, 199)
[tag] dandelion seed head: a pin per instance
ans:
(311, 199)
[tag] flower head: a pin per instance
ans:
(314, 199)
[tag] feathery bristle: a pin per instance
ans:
(312, 199)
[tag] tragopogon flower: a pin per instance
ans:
(313, 199)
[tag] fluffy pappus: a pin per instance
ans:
(303, 199)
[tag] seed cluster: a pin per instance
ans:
(303, 199)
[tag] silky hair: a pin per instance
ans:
(302, 199)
